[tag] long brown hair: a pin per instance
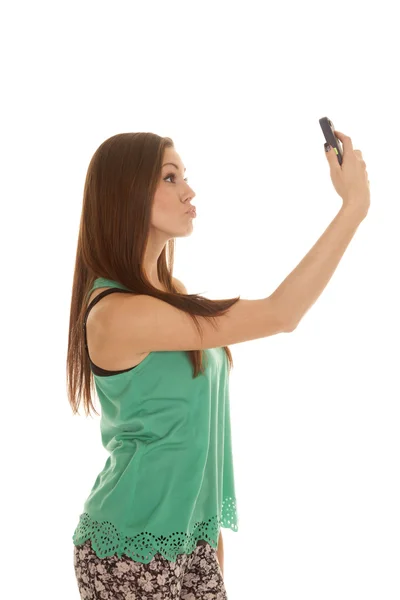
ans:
(120, 184)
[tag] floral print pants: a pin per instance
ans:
(195, 576)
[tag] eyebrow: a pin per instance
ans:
(173, 164)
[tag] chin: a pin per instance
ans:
(185, 232)
(179, 233)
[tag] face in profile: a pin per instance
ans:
(173, 199)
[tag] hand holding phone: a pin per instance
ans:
(349, 177)
(329, 132)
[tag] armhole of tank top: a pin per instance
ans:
(100, 371)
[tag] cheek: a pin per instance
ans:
(165, 203)
(161, 198)
(165, 211)
(161, 207)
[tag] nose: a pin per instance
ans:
(192, 192)
(190, 197)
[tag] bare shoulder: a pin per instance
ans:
(113, 301)
(108, 323)
(104, 349)
(180, 285)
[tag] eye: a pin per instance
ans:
(174, 175)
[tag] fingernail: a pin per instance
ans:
(327, 147)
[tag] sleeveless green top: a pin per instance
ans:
(169, 479)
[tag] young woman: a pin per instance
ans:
(160, 362)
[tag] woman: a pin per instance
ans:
(158, 356)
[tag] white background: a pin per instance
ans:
(315, 414)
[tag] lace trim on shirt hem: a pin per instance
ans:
(107, 540)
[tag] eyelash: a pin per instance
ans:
(173, 175)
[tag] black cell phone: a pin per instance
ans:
(328, 130)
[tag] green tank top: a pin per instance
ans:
(168, 481)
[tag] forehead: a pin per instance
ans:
(171, 155)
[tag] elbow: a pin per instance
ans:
(290, 327)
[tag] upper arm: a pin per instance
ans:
(139, 324)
